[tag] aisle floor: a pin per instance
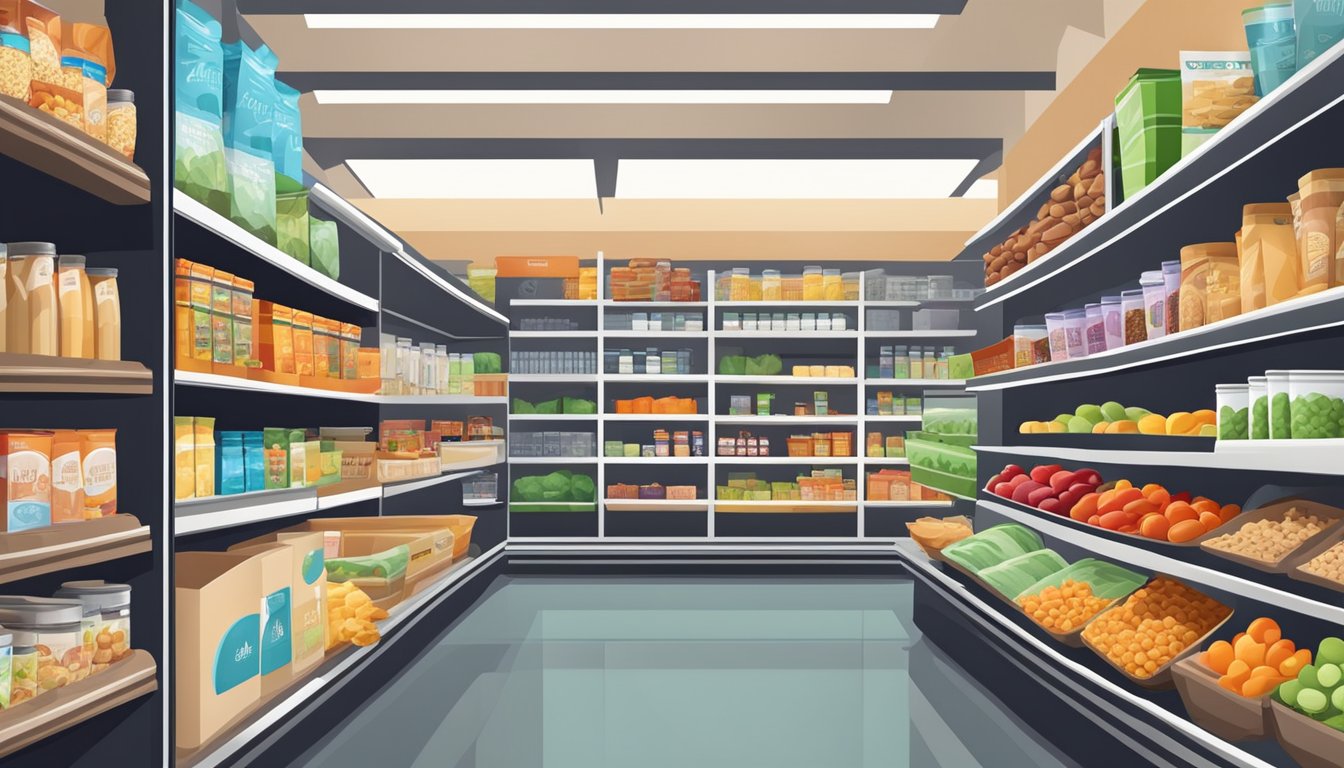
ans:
(672, 673)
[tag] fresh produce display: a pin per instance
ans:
(561, 486)
(1067, 599)
(1328, 565)
(1073, 205)
(1318, 690)
(1112, 418)
(566, 405)
(1270, 539)
(1150, 511)
(934, 534)
(1256, 661)
(993, 546)
(351, 615)
(1154, 626)
(1316, 415)
(1012, 576)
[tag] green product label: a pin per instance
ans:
(277, 649)
(237, 659)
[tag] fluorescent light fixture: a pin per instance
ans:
(983, 189)
(478, 179)
(601, 97)
(790, 179)
(621, 20)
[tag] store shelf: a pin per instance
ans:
(552, 378)
(786, 507)
(216, 381)
(410, 486)
(656, 505)
(797, 304)
(789, 335)
(553, 417)
(24, 554)
(892, 304)
(907, 504)
(913, 418)
(652, 417)
(347, 492)
(68, 375)
(893, 461)
(212, 513)
(61, 709)
(652, 460)
(553, 459)
(1275, 118)
(196, 212)
(811, 460)
(481, 502)
(782, 419)
(551, 303)
(64, 152)
(441, 400)
(655, 334)
(939, 334)
(1139, 557)
(653, 378)
(1295, 316)
(552, 334)
(799, 380)
(282, 706)
(915, 382)
(1313, 457)
(609, 304)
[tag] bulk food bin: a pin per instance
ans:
(1316, 405)
(1217, 710)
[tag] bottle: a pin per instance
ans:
(75, 297)
(107, 312)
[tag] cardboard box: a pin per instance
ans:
(537, 266)
(217, 654)
(308, 592)
(276, 649)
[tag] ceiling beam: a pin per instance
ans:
(690, 81)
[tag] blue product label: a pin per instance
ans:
(249, 102)
(198, 73)
(277, 650)
(237, 657)
(313, 566)
(26, 515)
(11, 40)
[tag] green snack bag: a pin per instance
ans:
(198, 82)
(385, 565)
(276, 452)
(487, 362)
(324, 247)
(292, 225)
(521, 406)
(249, 116)
(1148, 121)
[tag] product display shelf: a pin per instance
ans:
(612, 304)
(805, 460)
(915, 382)
(285, 707)
(916, 334)
(1210, 571)
(729, 336)
(651, 460)
(650, 334)
(557, 334)
(818, 304)
(802, 381)
(469, 503)
(54, 147)
(648, 417)
(656, 505)
(1313, 457)
(44, 373)
(60, 710)
(552, 303)
(654, 378)
(552, 378)
(553, 459)
(1140, 719)
(887, 461)
(908, 504)
(410, 486)
(1303, 314)
(441, 400)
(237, 383)
(1274, 141)
(911, 418)
(554, 417)
(197, 213)
(784, 419)
(785, 507)
(24, 554)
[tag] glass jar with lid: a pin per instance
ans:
(57, 624)
(107, 619)
(121, 125)
(32, 322)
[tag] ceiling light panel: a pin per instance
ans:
(790, 179)
(621, 20)
(478, 179)
(612, 96)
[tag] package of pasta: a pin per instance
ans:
(1216, 86)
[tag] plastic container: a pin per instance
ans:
(1133, 321)
(121, 125)
(1259, 399)
(57, 625)
(16, 63)
(1217, 710)
(1094, 329)
(1154, 303)
(1029, 341)
(1272, 41)
(22, 666)
(1056, 327)
(1075, 330)
(1316, 404)
(1280, 409)
(941, 464)
(108, 639)
(1113, 315)
(1233, 411)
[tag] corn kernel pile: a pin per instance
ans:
(1154, 625)
(350, 616)
(1063, 608)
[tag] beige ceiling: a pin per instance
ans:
(989, 36)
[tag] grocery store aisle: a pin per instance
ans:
(592, 672)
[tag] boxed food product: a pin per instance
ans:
(98, 460)
(67, 478)
(1272, 42)
(25, 479)
(218, 631)
(275, 650)
(1269, 264)
(1148, 120)
(1216, 86)
(1321, 195)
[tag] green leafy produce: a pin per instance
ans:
(1108, 581)
(733, 365)
(579, 405)
(522, 406)
(487, 362)
(582, 488)
(1260, 418)
(548, 407)
(1012, 576)
(527, 489)
(993, 546)
(1234, 423)
(1315, 416)
(1280, 417)
(556, 481)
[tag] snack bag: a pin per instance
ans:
(198, 82)
(249, 117)
(1216, 86)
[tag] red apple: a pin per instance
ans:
(1040, 494)
(1089, 475)
(1042, 473)
(1082, 489)
(1018, 480)
(1022, 492)
(1052, 506)
(1011, 470)
(1062, 480)
(995, 480)
(1067, 499)
(1004, 489)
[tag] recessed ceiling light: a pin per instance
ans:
(790, 179)
(601, 97)
(478, 179)
(621, 20)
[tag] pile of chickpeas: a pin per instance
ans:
(1329, 564)
(1271, 539)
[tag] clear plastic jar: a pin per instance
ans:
(1154, 303)
(1171, 281)
(107, 619)
(106, 312)
(1233, 411)
(1075, 330)
(1113, 315)
(16, 63)
(121, 126)
(1258, 397)
(1094, 330)
(57, 623)
(1055, 326)
(1133, 320)
(1317, 404)
(22, 667)
(1026, 339)
(1280, 405)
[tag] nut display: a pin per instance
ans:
(1154, 626)
(350, 616)
(1063, 608)
(1270, 539)
(1328, 565)
(1072, 206)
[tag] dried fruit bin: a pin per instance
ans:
(1273, 511)
(1123, 584)
(1311, 743)
(1216, 709)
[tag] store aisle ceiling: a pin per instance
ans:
(936, 90)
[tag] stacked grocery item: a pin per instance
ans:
(556, 406)
(773, 365)
(901, 362)
(1112, 418)
(483, 487)
(1283, 404)
(430, 369)
(531, 445)
(654, 321)
(784, 322)
(1158, 625)
(814, 284)
(581, 288)
(664, 443)
(880, 446)
(819, 485)
(897, 485)
(814, 445)
(742, 405)
(884, 402)
(933, 534)
(57, 305)
(560, 487)
(63, 69)
(879, 286)
(239, 141)
(1150, 511)
(652, 280)
(51, 642)
(652, 492)
(650, 361)
(51, 477)
(554, 362)
(655, 405)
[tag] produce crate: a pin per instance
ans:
(941, 465)
(1124, 583)
(1311, 743)
(1274, 511)
(1216, 709)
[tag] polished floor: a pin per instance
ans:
(684, 673)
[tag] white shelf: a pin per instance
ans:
(1313, 457)
(552, 303)
(806, 460)
(654, 417)
(441, 400)
(788, 503)
(896, 303)
(656, 505)
(785, 335)
(241, 509)
(942, 334)
(915, 382)
(408, 486)
(523, 378)
(909, 418)
(335, 500)
(784, 419)
(553, 459)
(216, 381)
(653, 378)
(799, 380)
(889, 461)
(907, 504)
(792, 304)
(651, 460)
(201, 215)
(1138, 557)
(553, 334)
(481, 502)
(553, 417)
(655, 304)
(655, 334)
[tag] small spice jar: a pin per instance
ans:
(1154, 303)
(121, 126)
(1056, 327)
(1094, 330)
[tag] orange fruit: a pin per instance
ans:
(1180, 511)
(1262, 685)
(1294, 664)
(1158, 495)
(1154, 526)
(1181, 423)
(1264, 630)
(1153, 424)
(1206, 505)
(1210, 520)
(1219, 656)
(1279, 652)
(1186, 530)
(1250, 650)
(1085, 508)
(1228, 512)
(1205, 416)
(1120, 499)
(1125, 427)
(1100, 427)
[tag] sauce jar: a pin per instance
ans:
(107, 312)
(57, 624)
(107, 619)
